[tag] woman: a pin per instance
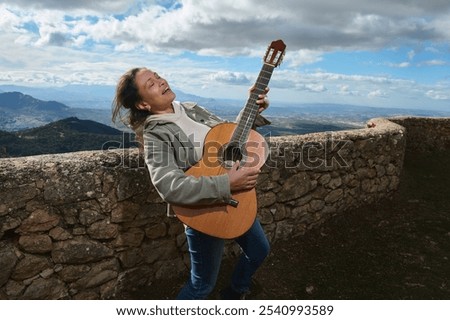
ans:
(173, 136)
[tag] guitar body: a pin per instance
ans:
(225, 221)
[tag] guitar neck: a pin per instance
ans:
(250, 112)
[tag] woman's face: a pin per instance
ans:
(157, 97)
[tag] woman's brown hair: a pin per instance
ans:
(127, 97)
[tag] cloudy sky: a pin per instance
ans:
(393, 53)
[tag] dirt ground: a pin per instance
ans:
(395, 249)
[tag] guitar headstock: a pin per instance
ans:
(275, 53)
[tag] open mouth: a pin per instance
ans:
(165, 90)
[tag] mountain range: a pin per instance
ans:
(94, 102)
(29, 125)
(27, 107)
(67, 135)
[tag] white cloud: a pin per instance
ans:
(404, 64)
(314, 87)
(345, 90)
(376, 94)
(110, 6)
(231, 78)
(237, 27)
(442, 25)
(9, 20)
(437, 95)
(303, 57)
(433, 63)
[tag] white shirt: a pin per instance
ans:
(195, 131)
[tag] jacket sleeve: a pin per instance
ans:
(173, 185)
(261, 121)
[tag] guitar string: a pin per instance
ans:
(251, 109)
(250, 112)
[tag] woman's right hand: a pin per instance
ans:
(242, 178)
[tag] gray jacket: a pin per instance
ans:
(169, 152)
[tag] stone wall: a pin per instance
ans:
(89, 225)
(426, 134)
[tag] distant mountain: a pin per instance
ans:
(18, 111)
(76, 96)
(90, 96)
(22, 110)
(18, 101)
(67, 135)
(82, 101)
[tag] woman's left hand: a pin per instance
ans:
(263, 100)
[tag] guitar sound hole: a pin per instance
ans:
(231, 153)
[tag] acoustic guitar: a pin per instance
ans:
(225, 144)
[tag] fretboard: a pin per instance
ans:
(250, 112)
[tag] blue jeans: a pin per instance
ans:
(206, 256)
